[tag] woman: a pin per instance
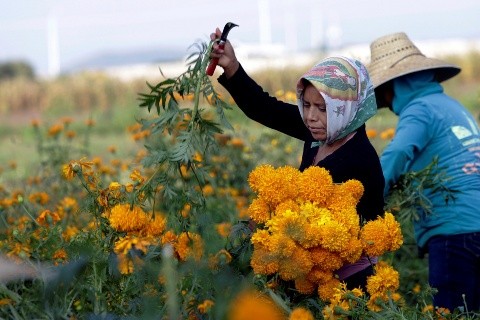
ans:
(433, 125)
(335, 99)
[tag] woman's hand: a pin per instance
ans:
(226, 56)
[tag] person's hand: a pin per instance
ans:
(226, 56)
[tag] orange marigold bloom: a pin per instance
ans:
(125, 218)
(325, 259)
(259, 210)
(387, 134)
(318, 177)
(189, 244)
(327, 290)
(385, 281)
(156, 226)
(127, 243)
(35, 123)
(55, 130)
(223, 228)
(71, 169)
(300, 313)
(237, 143)
(371, 133)
(205, 306)
(251, 304)
(264, 262)
(381, 235)
(169, 237)
(47, 218)
(69, 232)
(136, 176)
(60, 254)
(39, 197)
(304, 286)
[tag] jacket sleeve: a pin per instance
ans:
(411, 136)
(258, 105)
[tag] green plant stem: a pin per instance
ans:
(31, 217)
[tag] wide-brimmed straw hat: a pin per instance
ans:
(395, 55)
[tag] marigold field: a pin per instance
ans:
(162, 201)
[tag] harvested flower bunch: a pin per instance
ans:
(308, 227)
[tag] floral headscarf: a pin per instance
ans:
(345, 85)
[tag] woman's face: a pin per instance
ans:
(315, 113)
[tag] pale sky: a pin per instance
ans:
(80, 29)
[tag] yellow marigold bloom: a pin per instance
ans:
(274, 185)
(125, 219)
(417, 289)
(289, 204)
(249, 305)
(259, 210)
(127, 243)
(341, 198)
(353, 250)
(334, 236)
(396, 240)
(39, 197)
(381, 235)
(354, 187)
(126, 264)
(112, 149)
(74, 167)
(205, 306)
(383, 283)
(189, 244)
(136, 176)
(223, 229)
(47, 218)
(69, 233)
(327, 289)
(156, 226)
(300, 313)
(315, 184)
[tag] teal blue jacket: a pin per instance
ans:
(431, 124)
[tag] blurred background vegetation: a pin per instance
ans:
(113, 104)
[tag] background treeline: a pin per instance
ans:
(21, 90)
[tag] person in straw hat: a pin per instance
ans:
(432, 125)
(334, 100)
